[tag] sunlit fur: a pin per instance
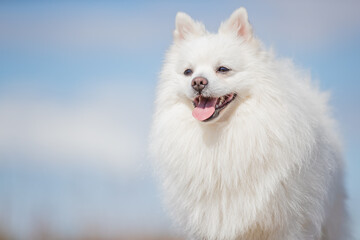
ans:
(269, 167)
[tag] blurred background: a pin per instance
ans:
(77, 83)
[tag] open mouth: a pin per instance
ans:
(208, 108)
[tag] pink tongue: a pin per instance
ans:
(205, 109)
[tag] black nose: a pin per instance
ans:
(199, 83)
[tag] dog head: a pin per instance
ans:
(211, 71)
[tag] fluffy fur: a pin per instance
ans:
(269, 166)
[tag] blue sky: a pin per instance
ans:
(77, 82)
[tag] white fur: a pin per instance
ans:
(269, 167)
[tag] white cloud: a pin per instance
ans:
(105, 126)
(142, 27)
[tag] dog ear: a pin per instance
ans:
(186, 26)
(238, 24)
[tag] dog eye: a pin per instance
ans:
(222, 69)
(188, 72)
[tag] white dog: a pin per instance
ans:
(244, 144)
